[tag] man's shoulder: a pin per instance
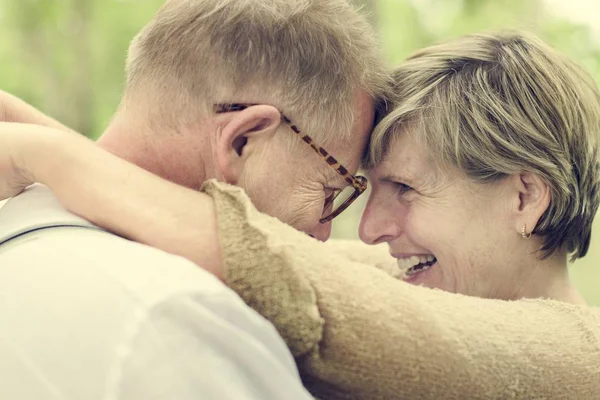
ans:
(39, 234)
(35, 208)
(144, 274)
(74, 297)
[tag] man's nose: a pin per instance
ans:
(321, 232)
(377, 224)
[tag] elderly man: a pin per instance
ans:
(212, 88)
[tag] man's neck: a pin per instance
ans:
(170, 155)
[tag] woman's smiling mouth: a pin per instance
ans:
(410, 266)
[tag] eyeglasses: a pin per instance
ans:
(339, 199)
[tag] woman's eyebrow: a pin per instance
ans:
(392, 178)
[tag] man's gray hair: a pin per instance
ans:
(307, 57)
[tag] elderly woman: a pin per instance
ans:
(485, 180)
(485, 177)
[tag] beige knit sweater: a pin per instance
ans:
(358, 333)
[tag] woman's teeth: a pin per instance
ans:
(414, 264)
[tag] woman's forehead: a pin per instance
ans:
(410, 159)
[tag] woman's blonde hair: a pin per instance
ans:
(494, 105)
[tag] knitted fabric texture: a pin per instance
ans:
(358, 333)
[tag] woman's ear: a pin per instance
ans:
(534, 198)
(242, 135)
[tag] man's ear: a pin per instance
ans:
(241, 136)
(534, 198)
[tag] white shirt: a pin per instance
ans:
(87, 315)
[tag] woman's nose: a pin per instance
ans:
(377, 224)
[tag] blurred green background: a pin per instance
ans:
(66, 57)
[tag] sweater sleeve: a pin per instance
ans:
(358, 333)
(377, 256)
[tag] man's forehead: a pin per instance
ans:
(364, 113)
(348, 148)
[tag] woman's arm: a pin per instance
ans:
(357, 333)
(111, 192)
(376, 255)
(13, 109)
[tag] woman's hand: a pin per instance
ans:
(16, 141)
(21, 127)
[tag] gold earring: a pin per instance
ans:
(523, 234)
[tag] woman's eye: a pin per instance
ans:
(403, 188)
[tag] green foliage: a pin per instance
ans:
(66, 57)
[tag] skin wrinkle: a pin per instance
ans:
(307, 193)
(430, 183)
(306, 198)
